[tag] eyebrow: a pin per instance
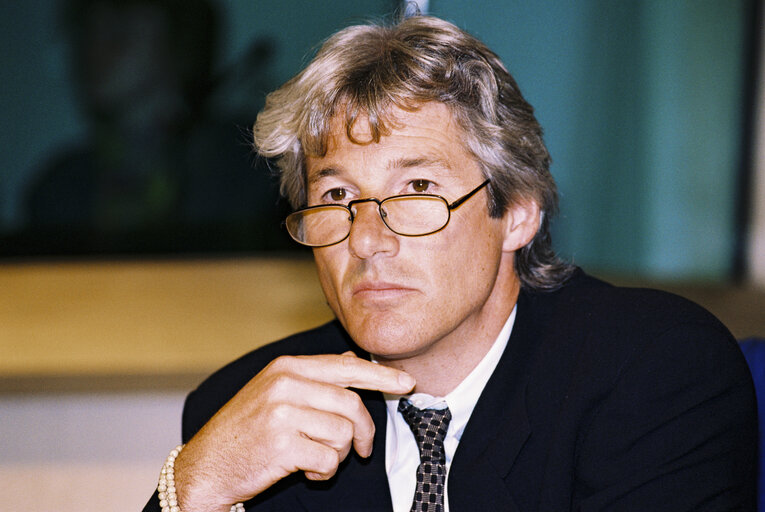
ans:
(398, 163)
(323, 173)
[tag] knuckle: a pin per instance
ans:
(277, 418)
(280, 364)
(366, 430)
(355, 404)
(345, 430)
(328, 461)
(280, 384)
(357, 410)
(281, 443)
(279, 415)
(347, 364)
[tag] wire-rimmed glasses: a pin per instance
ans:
(406, 215)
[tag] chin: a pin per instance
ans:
(391, 333)
(391, 341)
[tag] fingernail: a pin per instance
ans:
(406, 381)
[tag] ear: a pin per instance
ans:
(521, 222)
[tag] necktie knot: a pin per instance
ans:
(429, 427)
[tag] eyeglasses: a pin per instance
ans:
(406, 215)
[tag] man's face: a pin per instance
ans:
(402, 297)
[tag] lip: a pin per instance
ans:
(379, 290)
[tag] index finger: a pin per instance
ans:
(349, 371)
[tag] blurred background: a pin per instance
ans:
(141, 244)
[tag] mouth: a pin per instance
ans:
(380, 291)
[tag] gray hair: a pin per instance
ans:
(366, 70)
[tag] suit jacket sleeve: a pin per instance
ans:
(202, 403)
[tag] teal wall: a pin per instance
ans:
(296, 26)
(641, 103)
(37, 111)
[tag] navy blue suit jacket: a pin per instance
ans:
(606, 398)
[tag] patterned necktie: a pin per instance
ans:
(429, 427)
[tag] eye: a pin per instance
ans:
(421, 186)
(336, 195)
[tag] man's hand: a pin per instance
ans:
(295, 415)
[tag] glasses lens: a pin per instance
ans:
(319, 226)
(415, 215)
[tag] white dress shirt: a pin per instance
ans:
(401, 454)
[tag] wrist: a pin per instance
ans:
(167, 490)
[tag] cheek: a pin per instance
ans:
(471, 256)
(328, 270)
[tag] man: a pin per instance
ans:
(420, 178)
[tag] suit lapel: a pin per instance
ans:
(360, 484)
(497, 429)
(496, 432)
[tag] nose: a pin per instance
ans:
(369, 235)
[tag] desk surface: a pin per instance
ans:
(147, 320)
(160, 324)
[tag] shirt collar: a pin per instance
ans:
(462, 399)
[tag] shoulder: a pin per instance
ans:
(222, 385)
(659, 387)
(598, 307)
(594, 328)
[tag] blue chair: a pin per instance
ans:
(754, 351)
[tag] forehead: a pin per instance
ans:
(426, 137)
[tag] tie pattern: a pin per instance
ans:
(429, 427)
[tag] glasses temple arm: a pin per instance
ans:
(458, 202)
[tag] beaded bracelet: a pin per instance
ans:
(168, 499)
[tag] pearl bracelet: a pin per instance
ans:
(168, 499)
